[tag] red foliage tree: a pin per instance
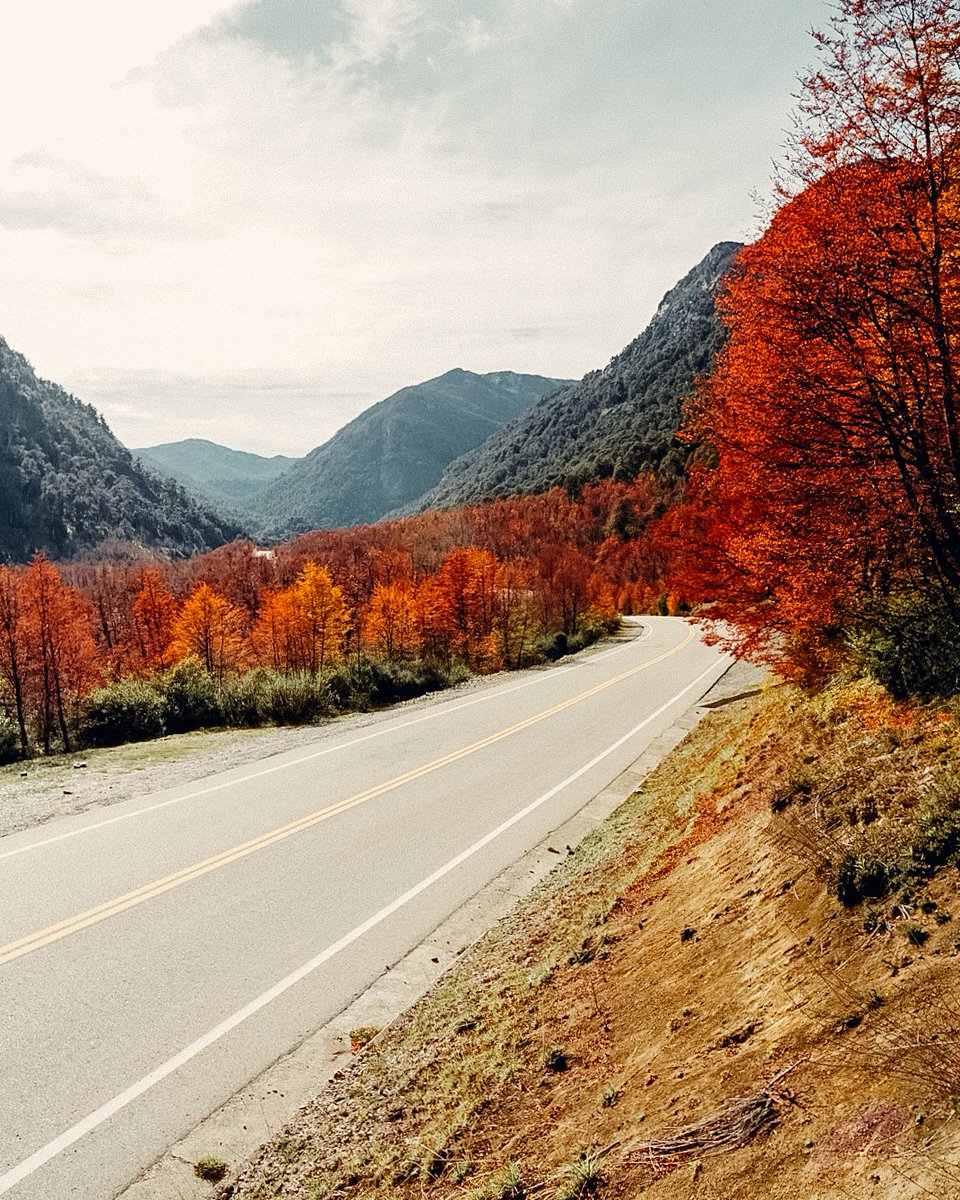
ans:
(62, 663)
(834, 407)
(154, 614)
(13, 650)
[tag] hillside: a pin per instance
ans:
(695, 1002)
(617, 421)
(67, 484)
(222, 475)
(393, 452)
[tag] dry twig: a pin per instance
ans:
(740, 1122)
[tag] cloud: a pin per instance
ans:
(146, 408)
(369, 191)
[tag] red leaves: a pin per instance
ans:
(835, 406)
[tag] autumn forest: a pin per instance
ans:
(108, 650)
(816, 515)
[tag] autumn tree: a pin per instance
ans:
(13, 651)
(390, 622)
(212, 629)
(464, 596)
(513, 614)
(154, 614)
(302, 627)
(834, 406)
(62, 663)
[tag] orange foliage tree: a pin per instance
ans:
(212, 629)
(834, 406)
(390, 623)
(302, 627)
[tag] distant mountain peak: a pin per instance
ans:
(617, 420)
(395, 450)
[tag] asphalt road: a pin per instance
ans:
(158, 954)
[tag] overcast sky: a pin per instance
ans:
(249, 221)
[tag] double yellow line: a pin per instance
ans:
(149, 891)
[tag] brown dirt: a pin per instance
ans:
(688, 954)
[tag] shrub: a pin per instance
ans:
(910, 644)
(937, 841)
(366, 683)
(860, 877)
(10, 748)
(246, 700)
(351, 685)
(380, 681)
(297, 698)
(130, 710)
(191, 697)
(210, 1168)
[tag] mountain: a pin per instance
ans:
(67, 484)
(613, 422)
(222, 475)
(393, 452)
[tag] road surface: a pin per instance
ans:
(158, 954)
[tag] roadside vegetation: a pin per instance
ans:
(240, 638)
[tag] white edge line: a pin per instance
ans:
(72, 1135)
(443, 711)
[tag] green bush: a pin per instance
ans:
(10, 748)
(192, 699)
(937, 840)
(351, 685)
(130, 710)
(367, 683)
(860, 877)
(245, 700)
(297, 698)
(910, 644)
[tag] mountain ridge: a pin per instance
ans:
(617, 421)
(67, 483)
(394, 451)
(213, 470)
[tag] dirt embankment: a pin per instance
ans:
(685, 1008)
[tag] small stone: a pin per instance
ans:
(79, 766)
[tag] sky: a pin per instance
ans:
(249, 221)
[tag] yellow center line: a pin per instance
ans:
(119, 904)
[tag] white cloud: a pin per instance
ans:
(374, 193)
(379, 29)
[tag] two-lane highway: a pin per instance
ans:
(157, 954)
